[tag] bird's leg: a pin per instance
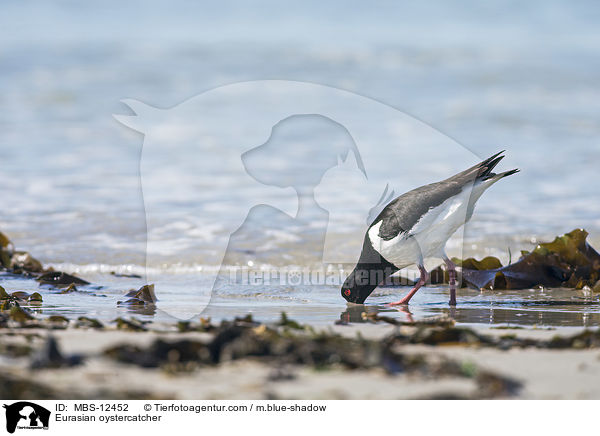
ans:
(414, 290)
(452, 280)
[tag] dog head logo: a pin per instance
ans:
(26, 415)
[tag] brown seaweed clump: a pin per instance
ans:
(50, 356)
(453, 336)
(19, 296)
(568, 262)
(6, 250)
(11, 312)
(142, 297)
(23, 263)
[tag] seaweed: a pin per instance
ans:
(160, 353)
(142, 297)
(286, 322)
(20, 315)
(489, 262)
(437, 336)
(4, 241)
(28, 388)
(15, 350)
(57, 321)
(441, 321)
(568, 261)
(492, 385)
(15, 387)
(24, 264)
(36, 296)
(203, 326)
(22, 260)
(50, 356)
(127, 276)
(132, 324)
(5, 251)
(286, 348)
(21, 296)
(85, 322)
(585, 339)
(142, 302)
(444, 336)
(11, 310)
(19, 262)
(60, 279)
(69, 289)
(11, 303)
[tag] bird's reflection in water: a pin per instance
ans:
(354, 313)
(528, 314)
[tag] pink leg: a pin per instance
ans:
(452, 280)
(414, 290)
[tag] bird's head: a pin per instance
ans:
(370, 271)
(358, 286)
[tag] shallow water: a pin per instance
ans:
(485, 81)
(322, 305)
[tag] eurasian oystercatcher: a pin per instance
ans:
(416, 226)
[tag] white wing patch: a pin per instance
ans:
(428, 237)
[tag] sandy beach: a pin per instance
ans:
(448, 370)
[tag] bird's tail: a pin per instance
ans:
(485, 177)
(504, 174)
(486, 167)
(492, 178)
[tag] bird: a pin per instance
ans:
(415, 226)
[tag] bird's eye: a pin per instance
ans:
(347, 292)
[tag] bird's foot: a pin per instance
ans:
(413, 291)
(403, 302)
